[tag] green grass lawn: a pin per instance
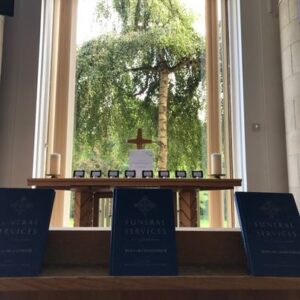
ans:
(204, 223)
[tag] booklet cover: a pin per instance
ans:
(270, 225)
(143, 233)
(24, 222)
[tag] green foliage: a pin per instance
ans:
(118, 85)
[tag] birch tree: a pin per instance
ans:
(153, 55)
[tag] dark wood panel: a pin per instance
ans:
(154, 295)
(194, 247)
(211, 266)
(188, 213)
(179, 283)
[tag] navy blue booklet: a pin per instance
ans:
(24, 223)
(270, 225)
(143, 233)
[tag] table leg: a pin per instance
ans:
(83, 210)
(176, 209)
(188, 215)
(95, 211)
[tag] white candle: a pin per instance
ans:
(54, 168)
(216, 166)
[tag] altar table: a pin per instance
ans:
(89, 190)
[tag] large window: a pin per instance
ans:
(157, 65)
(144, 69)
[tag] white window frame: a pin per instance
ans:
(237, 92)
(43, 90)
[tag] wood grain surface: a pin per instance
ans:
(212, 265)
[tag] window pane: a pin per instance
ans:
(131, 61)
(143, 66)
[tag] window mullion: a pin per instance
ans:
(61, 117)
(227, 113)
(213, 104)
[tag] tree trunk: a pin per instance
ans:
(163, 120)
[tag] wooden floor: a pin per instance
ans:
(211, 266)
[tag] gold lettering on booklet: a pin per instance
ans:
(19, 227)
(144, 227)
(275, 229)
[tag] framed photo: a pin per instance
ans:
(95, 174)
(197, 174)
(113, 173)
(164, 174)
(130, 173)
(78, 173)
(147, 174)
(180, 174)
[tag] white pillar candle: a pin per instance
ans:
(54, 168)
(216, 166)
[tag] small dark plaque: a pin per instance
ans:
(164, 174)
(7, 7)
(78, 173)
(96, 174)
(197, 174)
(130, 173)
(24, 222)
(180, 174)
(143, 233)
(147, 174)
(113, 174)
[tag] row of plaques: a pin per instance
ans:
(132, 174)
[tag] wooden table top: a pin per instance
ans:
(109, 183)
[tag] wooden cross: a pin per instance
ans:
(139, 141)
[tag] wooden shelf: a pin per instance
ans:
(86, 278)
(211, 266)
(108, 183)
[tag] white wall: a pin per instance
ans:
(18, 93)
(290, 47)
(263, 96)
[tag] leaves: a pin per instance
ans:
(117, 87)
